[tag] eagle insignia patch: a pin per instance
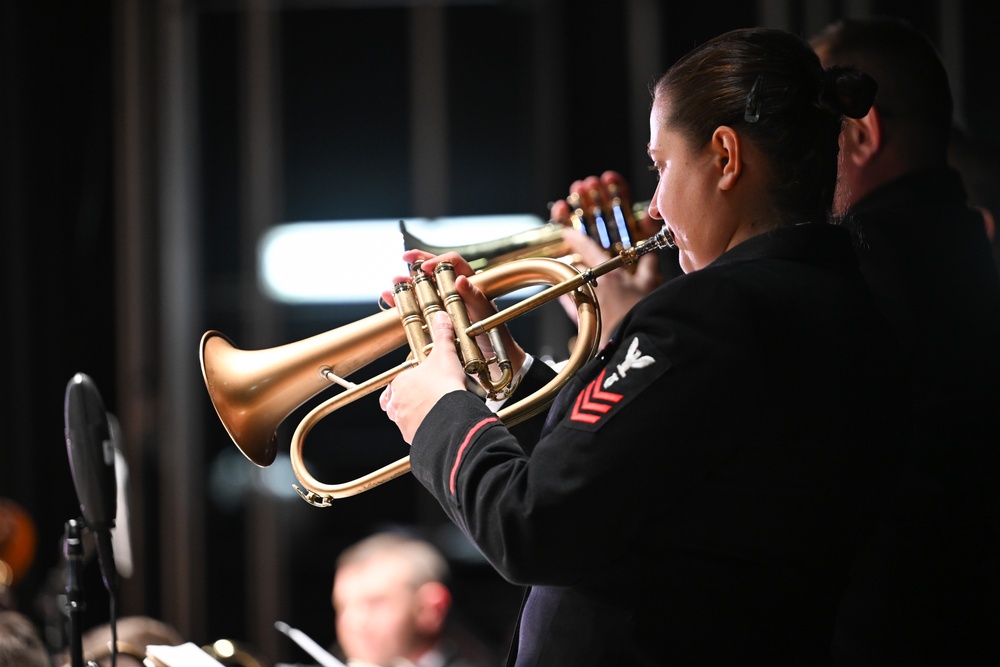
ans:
(629, 370)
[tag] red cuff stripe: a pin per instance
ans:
(461, 450)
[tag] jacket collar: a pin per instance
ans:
(943, 181)
(816, 241)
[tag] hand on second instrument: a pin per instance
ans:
(617, 291)
(413, 393)
(594, 198)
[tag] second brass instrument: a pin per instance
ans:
(615, 230)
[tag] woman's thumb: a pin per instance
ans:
(443, 328)
(443, 332)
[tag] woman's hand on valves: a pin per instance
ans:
(413, 393)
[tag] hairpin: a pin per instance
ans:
(752, 112)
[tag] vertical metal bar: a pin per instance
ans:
(857, 8)
(644, 37)
(550, 139)
(429, 109)
(16, 335)
(267, 579)
(134, 311)
(816, 14)
(180, 441)
(774, 14)
(951, 40)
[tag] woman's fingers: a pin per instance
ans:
(589, 251)
(414, 392)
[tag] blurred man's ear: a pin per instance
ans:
(434, 600)
(989, 222)
(862, 137)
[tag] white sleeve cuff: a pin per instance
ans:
(496, 405)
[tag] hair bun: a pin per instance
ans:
(847, 91)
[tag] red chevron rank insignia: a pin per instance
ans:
(593, 402)
(627, 371)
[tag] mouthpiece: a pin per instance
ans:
(662, 239)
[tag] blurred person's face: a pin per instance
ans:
(376, 608)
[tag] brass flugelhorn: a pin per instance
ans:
(254, 391)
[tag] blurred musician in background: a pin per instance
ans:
(972, 155)
(20, 642)
(391, 600)
(18, 541)
(134, 633)
(928, 591)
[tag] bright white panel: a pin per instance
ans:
(353, 261)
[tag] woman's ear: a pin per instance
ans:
(727, 155)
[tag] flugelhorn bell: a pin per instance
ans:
(253, 391)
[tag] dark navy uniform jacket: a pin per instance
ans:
(927, 591)
(701, 487)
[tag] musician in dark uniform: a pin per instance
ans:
(698, 491)
(927, 592)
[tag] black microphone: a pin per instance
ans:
(92, 462)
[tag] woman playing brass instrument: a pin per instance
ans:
(698, 491)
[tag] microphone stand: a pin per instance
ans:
(75, 604)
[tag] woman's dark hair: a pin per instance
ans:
(770, 87)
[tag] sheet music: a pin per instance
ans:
(185, 655)
(318, 653)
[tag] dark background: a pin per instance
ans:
(130, 205)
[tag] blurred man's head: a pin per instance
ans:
(134, 634)
(390, 599)
(909, 125)
(20, 642)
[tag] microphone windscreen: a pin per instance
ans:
(91, 452)
(92, 463)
